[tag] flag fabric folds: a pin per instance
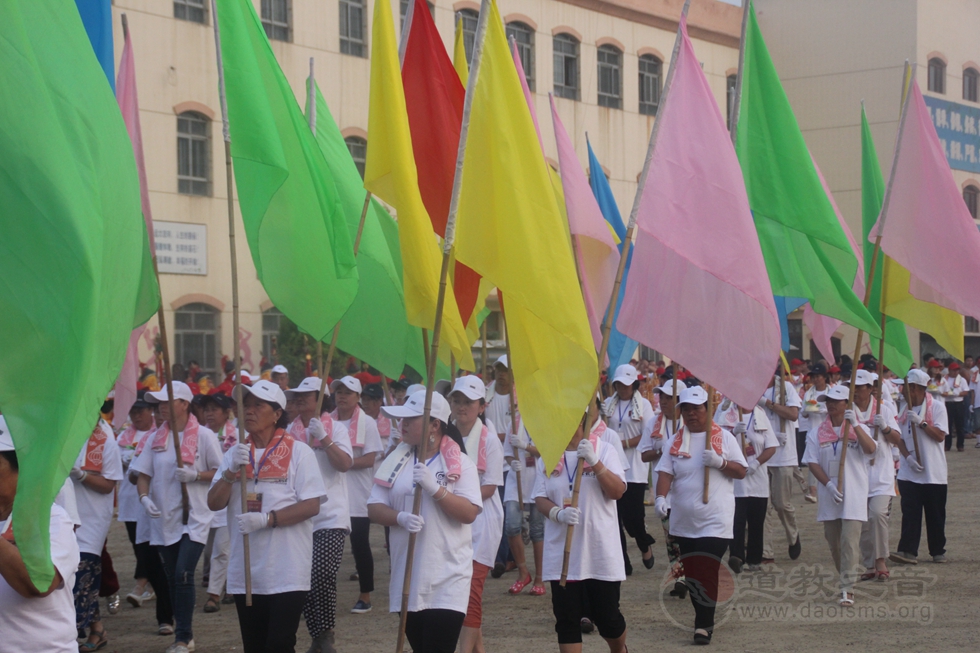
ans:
(807, 253)
(926, 221)
(698, 289)
(509, 221)
(71, 256)
(391, 174)
(292, 213)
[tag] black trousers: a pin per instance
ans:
(701, 558)
(360, 544)
(750, 511)
(916, 499)
(148, 566)
(433, 631)
(800, 447)
(632, 516)
(596, 599)
(957, 412)
(270, 624)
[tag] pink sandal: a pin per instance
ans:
(519, 585)
(538, 590)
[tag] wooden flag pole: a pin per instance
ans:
(483, 356)
(226, 133)
(707, 438)
(614, 296)
(740, 417)
(167, 369)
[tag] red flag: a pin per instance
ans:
(434, 97)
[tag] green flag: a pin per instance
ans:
(807, 252)
(375, 328)
(898, 354)
(72, 253)
(293, 215)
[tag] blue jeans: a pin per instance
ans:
(512, 521)
(179, 562)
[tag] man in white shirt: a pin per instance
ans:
(955, 394)
(782, 405)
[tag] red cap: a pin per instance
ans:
(796, 361)
(935, 363)
(834, 369)
(954, 366)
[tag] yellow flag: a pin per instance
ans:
(459, 54)
(511, 231)
(941, 323)
(390, 173)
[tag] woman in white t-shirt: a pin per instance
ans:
(284, 492)
(595, 567)
(34, 620)
(468, 403)
(94, 476)
(758, 443)
(842, 513)
(702, 530)
(451, 501)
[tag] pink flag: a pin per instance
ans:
(822, 328)
(527, 90)
(125, 389)
(927, 228)
(594, 247)
(698, 290)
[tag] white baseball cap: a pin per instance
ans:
(471, 387)
(501, 361)
(837, 392)
(668, 388)
(444, 387)
(6, 441)
(412, 389)
(181, 391)
(264, 390)
(918, 377)
(864, 377)
(415, 405)
(349, 382)
(280, 369)
(309, 384)
(625, 374)
(695, 395)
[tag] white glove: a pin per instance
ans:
(315, 431)
(240, 457)
(515, 466)
(914, 464)
(660, 506)
(587, 452)
(916, 418)
(425, 479)
(568, 516)
(76, 474)
(517, 442)
(781, 438)
(851, 416)
(185, 474)
(739, 428)
(752, 467)
(249, 522)
(763, 400)
(150, 507)
(880, 421)
(411, 523)
(127, 457)
(835, 494)
(658, 444)
(710, 458)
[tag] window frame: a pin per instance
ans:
(564, 90)
(353, 142)
(731, 86)
(612, 98)
(187, 182)
(936, 72)
(470, 17)
(971, 82)
(277, 30)
(207, 355)
(971, 197)
(268, 334)
(650, 108)
(353, 45)
(190, 9)
(524, 49)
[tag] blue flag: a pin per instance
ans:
(785, 306)
(97, 18)
(621, 348)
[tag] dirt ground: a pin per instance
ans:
(791, 605)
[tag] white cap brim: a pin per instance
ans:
(266, 391)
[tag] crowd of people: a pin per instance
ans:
(313, 465)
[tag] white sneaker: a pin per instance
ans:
(134, 599)
(148, 595)
(180, 648)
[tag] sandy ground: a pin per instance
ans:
(923, 608)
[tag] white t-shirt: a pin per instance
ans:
(813, 412)
(689, 515)
(650, 443)
(443, 563)
(955, 384)
(129, 500)
(498, 411)
(933, 453)
(95, 508)
(165, 492)
(627, 428)
(881, 474)
(529, 470)
(596, 552)
(785, 455)
(975, 385)
(66, 499)
(280, 557)
(45, 624)
(489, 525)
(855, 504)
(335, 511)
(759, 436)
(359, 481)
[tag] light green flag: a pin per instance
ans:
(898, 354)
(375, 328)
(294, 218)
(74, 257)
(806, 250)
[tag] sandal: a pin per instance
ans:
(101, 641)
(870, 575)
(538, 590)
(519, 586)
(211, 606)
(882, 576)
(846, 600)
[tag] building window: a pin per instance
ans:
(524, 36)
(971, 325)
(971, 82)
(470, 19)
(352, 28)
(270, 333)
(196, 329)
(971, 195)
(730, 84)
(937, 75)
(276, 19)
(610, 62)
(193, 154)
(192, 10)
(358, 151)
(565, 48)
(651, 71)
